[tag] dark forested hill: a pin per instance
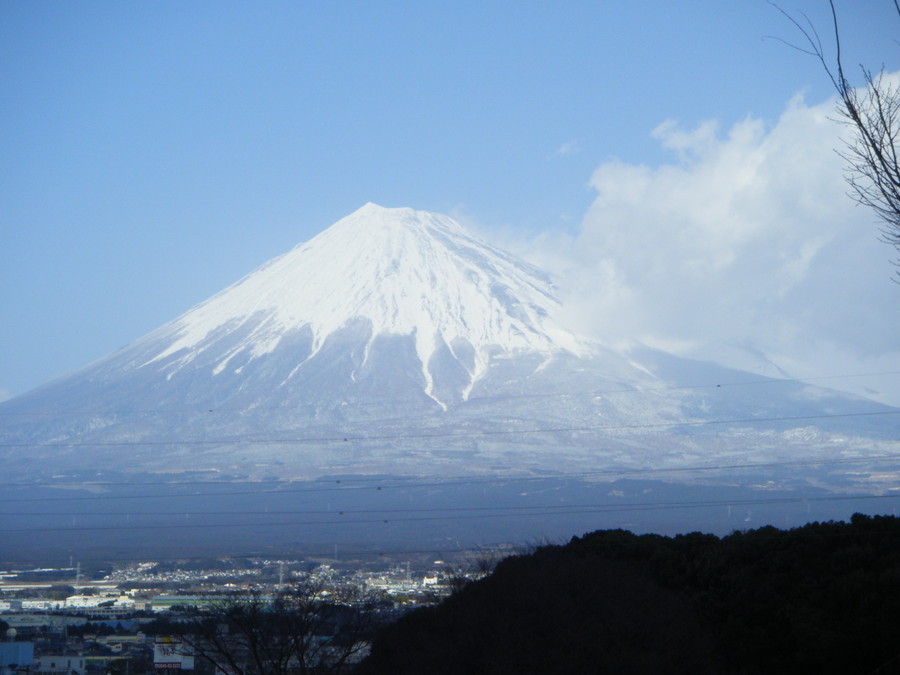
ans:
(823, 598)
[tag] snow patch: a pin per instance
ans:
(407, 272)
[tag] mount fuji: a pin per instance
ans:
(396, 344)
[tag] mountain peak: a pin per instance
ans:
(402, 272)
(389, 222)
(337, 357)
(373, 210)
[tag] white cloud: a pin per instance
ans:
(5, 394)
(570, 148)
(748, 239)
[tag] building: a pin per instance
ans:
(16, 657)
(58, 664)
(170, 653)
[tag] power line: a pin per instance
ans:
(343, 483)
(354, 551)
(448, 434)
(538, 512)
(507, 510)
(366, 483)
(637, 389)
(351, 552)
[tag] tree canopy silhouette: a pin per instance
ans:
(823, 598)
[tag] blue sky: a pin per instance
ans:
(155, 152)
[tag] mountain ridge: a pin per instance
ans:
(406, 272)
(434, 354)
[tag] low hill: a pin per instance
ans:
(822, 598)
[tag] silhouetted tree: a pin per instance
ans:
(554, 611)
(823, 598)
(307, 629)
(459, 575)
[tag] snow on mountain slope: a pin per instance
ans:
(406, 272)
(395, 342)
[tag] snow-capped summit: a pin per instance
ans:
(394, 342)
(403, 272)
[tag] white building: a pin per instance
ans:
(41, 604)
(81, 601)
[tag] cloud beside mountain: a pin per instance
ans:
(745, 249)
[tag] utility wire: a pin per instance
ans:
(546, 509)
(343, 483)
(339, 485)
(495, 550)
(636, 389)
(447, 434)
(568, 510)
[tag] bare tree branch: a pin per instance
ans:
(306, 629)
(873, 113)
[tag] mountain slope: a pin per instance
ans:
(395, 342)
(391, 271)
